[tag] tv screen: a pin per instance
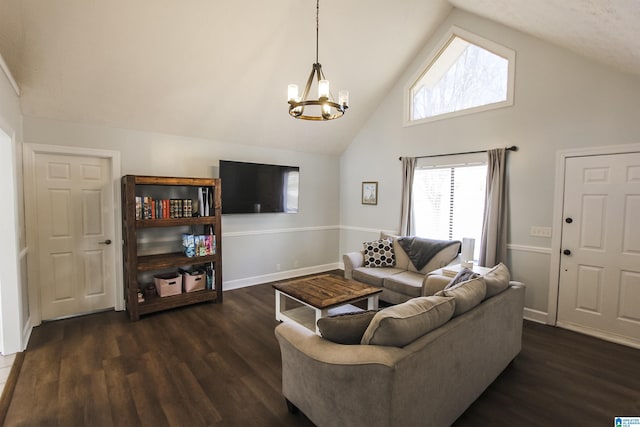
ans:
(258, 188)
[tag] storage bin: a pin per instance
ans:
(168, 284)
(193, 281)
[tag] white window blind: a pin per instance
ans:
(448, 199)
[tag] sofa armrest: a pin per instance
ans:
(351, 261)
(434, 283)
(336, 384)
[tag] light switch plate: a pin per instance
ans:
(538, 231)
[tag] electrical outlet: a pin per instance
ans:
(538, 231)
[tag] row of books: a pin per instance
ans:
(198, 245)
(148, 208)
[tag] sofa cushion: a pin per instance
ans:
(467, 294)
(373, 276)
(379, 253)
(407, 283)
(497, 280)
(345, 328)
(402, 259)
(439, 260)
(401, 324)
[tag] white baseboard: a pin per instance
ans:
(535, 315)
(281, 275)
(606, 336)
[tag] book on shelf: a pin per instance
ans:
(150, 208)
(210, 278)
(138, 207)
(198, 244)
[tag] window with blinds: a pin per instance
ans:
(448, 200)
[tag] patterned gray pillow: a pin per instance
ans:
(379, 253)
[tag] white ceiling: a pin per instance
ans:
(219, 70)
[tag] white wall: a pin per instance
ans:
(253, 245)
(13, 259)
(561, 101)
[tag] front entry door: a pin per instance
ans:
(74, 198)
(599, 291)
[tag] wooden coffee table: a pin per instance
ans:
(321, 296)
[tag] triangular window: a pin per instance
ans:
(466, 74)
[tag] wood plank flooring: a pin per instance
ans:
(219, 364)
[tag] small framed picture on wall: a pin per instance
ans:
(370, 193)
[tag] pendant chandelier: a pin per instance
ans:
(323, 108)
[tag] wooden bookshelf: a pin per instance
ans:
(134, 264)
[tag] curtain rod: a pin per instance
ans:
(512, 148)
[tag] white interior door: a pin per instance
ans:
(74, 203)
(599, 290)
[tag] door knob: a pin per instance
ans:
(106, 242)
(568, 220)
(566, 252)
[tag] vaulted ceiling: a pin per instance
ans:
(219, 70)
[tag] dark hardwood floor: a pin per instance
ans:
(219, 364)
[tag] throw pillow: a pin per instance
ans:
(462, 276)
(467, 294)
(345, 328)
(379, 253)
(402, 324)
(497, 280)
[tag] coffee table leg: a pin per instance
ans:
(320, 313)
(278, 305)
(372, 302)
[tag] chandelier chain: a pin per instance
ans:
(317, 26)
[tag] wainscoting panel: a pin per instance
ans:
(530, 265)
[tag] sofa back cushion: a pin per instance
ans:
(402, 324)
(497, 280)
(402, 259)
(466, 294)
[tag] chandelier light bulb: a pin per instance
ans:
(326, 110)
(293, 92)
(343, 98)
(323, 89)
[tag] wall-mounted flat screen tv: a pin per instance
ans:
(258, 188)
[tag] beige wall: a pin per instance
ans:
(562, 101)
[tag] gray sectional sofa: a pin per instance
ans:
(403, 281)
(430, 381)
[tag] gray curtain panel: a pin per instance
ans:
(493, 244)
(406, 213)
